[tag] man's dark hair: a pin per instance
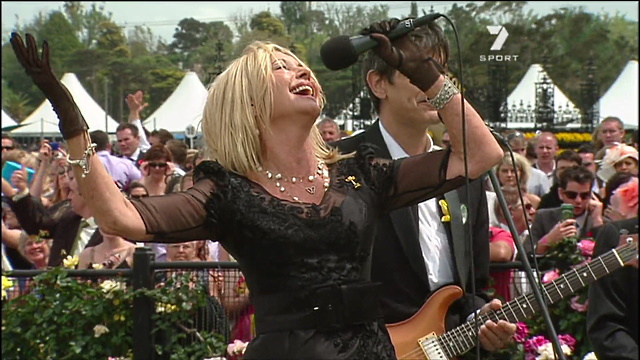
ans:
(569, 155)
(163, 135)
(100, 138)
(429, 36)
(579, 174)
(178, 150)
(587, 149)
(134, 129)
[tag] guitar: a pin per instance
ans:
(408, 336)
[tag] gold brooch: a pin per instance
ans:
(444, 206)
(352, 179)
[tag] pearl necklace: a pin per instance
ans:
(279, 180)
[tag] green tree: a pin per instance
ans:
(58, 32)
(15, 104)
(264, 27)
(141, 41)
(267, 23)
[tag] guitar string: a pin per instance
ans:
(593, 267)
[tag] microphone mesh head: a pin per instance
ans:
(338, 53)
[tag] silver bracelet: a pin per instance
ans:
(446, 93)
(84, 162)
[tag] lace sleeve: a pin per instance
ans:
(411, 180)
(177, 216)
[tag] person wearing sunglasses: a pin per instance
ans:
(7, 143)
(563, 161)
(574, 188)
(156, 169)
(137, 190)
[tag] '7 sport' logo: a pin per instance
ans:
(502, 33)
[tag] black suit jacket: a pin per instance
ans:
(546, 219)
(612, 316)
(62, 227)
(397, 260)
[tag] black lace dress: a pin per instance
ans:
(289, 247)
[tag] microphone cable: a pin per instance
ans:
(466, 221)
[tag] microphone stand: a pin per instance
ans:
(527, 267)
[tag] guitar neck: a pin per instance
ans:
(461, 339)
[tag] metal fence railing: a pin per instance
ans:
(227, 312)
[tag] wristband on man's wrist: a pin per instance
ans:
(446, 93)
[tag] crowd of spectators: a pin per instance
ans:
(44, 219)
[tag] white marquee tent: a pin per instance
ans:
(7, 120)
(44, 121)
(183, 107)
(621, 100)
(525, 94)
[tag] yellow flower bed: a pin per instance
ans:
(565, 136)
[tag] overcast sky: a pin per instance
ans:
(163, 17)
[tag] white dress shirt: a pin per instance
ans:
(433, 237)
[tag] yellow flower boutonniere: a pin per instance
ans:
(352, 179)
(444, 206)
(70, 262)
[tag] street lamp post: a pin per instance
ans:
(545, 110)
(218, 60)
(497, 94)
(589, 91)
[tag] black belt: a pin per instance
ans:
(323, 308)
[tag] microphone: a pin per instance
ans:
(343, 51)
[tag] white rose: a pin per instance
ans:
(99, 330)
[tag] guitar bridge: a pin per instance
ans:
(431, 348)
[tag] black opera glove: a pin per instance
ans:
(404, 54)
(72, 123)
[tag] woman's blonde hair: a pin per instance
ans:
(239, 108)
(521, 163)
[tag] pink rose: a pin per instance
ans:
(568, 340)
(531, 346)
(522, 331)
(577, 306)
(236, 348)
(550, 276)
(586, 247)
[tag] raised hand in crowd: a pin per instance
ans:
(595, 210)
(19, 180)
(136, 104)
(45, 156)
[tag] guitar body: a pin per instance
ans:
(429, 319)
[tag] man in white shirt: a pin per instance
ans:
(132, 140)
(414, 251)
(546, 146)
